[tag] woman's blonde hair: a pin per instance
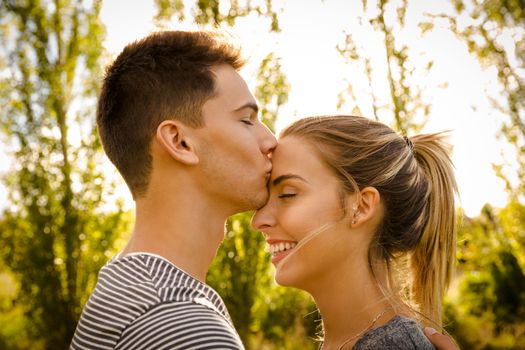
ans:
(415, 179)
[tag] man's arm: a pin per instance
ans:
(440, 341)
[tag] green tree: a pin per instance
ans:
(56, 232)
(405, 104)
(272, 90)
(210, 12)
(488, 309)
(494, 33)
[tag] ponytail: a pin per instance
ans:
(433, 260)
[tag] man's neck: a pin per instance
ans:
(183, 229)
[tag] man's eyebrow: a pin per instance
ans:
(249, 105)
(281, 178)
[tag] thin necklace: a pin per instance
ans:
(366, 329)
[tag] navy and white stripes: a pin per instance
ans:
(142, 301)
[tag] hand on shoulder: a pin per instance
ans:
(440, 341)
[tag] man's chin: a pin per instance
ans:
(254, 202)
(260, 204)
(260, 199)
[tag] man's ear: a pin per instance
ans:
(175, 138)
(367, 208)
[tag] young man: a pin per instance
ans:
(181, 126)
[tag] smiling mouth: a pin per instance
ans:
(279, 250)
(281, 247)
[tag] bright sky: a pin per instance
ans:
(316, 72)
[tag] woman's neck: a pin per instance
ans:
(352, 305)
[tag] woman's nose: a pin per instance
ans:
(263, 219)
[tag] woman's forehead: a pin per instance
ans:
(294, 155)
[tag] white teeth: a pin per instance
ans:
(281, 247)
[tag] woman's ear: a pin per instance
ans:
(175, 138)
(367, 207)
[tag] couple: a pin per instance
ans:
(347, 206)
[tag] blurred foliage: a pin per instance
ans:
(406, 105)
(495, 33)
(487, 311)
(216, 12)
(58, 229)
(272, 89)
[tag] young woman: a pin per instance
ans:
(364, 220)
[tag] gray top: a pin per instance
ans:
(399, 333)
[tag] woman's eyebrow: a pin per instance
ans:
(281, 178)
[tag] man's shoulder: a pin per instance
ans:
(180, 325)
(129, 286)
(145, 289)
(165, 325)
(123, 292)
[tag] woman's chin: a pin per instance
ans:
(286, 279)
(295, 278)
(281, 281)
(294, 273)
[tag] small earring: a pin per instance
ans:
(354, 219)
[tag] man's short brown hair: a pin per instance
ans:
(166, 75)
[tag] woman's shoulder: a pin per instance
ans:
(399, 333)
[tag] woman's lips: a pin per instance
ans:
(280, 249)
(276, 257)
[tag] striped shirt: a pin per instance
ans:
(142, 301)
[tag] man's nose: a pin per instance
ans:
(268, 141)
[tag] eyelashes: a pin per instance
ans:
(286, 195)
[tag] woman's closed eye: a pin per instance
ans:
(286, 191)
(247, 121)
